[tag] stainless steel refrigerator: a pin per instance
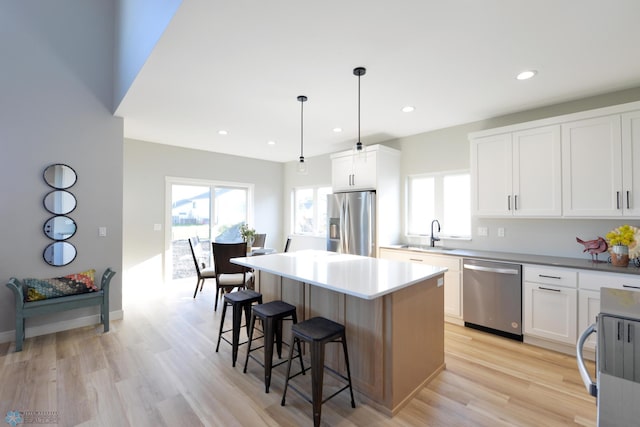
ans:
(617, 377)
(352, 223)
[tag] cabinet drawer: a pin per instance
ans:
(551, 276)
(596, 280)
(451, 262)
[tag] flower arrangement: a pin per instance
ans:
(247, 233)
(623, 235)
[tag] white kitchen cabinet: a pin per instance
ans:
(588, 309)
(631, 163)
(589, 284)
(550, 303)
(366, 170)
(592, 167)
(452, 277)
(518, 173)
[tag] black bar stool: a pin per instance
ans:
(318, 331)
(271, 314)
(238, 301)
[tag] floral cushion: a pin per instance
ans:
(79, 283)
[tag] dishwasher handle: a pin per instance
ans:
(491, 269)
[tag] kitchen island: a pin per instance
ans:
(393, 312)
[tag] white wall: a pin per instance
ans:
(146, 165)
(56, 83)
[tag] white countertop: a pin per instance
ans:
(359, 276)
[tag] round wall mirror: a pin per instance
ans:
(59, 202)
(60, 176)
(59, 253)
(60, 228)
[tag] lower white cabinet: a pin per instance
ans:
(588, 309)
(452, 278)
(590, 283)
(550, 304)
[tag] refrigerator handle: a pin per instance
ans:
(590, 385)
(344, 238)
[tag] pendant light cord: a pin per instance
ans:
(359, 71)
(302, 99)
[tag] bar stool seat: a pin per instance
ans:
(271, 314)
(239, 301)
(317, 332)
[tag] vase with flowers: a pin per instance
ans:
(619, 240)
(248, 235)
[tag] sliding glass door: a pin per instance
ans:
(206, 211)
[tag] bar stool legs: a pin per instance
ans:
(271, 314)
(239, 301)
(317, 332)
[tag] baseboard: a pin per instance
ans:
(588, 353)
(454, 320)
(64, 325)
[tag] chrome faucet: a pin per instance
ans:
(434, 239)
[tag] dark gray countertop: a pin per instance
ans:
(582, 263)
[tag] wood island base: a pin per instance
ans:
(396, 342)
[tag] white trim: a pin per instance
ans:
(63, 325)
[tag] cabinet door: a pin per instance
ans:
(491, 165)
(631, 163)
(452, 282)
(537, 189)
(632, 350)
(592, 167)
(341, 173)
(354, 172)
(588, 309)
(550, 312)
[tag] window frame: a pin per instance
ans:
(438, 203)
(316, 217)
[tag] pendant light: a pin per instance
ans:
(302, 166)
(359, 71)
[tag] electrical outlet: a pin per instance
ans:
(500, 231)
(483, 231)
(102, 231)
(157, 227)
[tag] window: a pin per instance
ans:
(443, 196)
(310, 210)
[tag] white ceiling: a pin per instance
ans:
(240, 65)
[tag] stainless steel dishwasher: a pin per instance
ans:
(492, 297)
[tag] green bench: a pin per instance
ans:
(25, 309)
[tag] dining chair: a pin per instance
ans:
(202, 270)
(259, 240)
(228, 274)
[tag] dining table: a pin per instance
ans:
(393, 312)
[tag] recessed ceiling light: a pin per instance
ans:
(408, 109)
(337, 130)
(223, 132)
(271, 142)
(526, 75)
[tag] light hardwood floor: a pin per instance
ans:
(158, 367)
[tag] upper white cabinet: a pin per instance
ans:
(584, 164)
(592, 167)
(631, 163)
(364, 171)
(517, 173)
